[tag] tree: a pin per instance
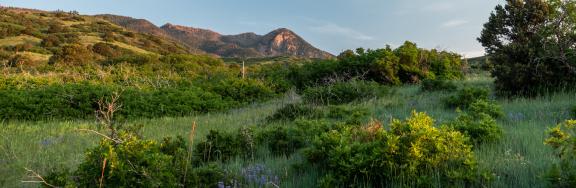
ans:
(532, 46)
(410, 70)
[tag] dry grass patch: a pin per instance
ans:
(23, 39)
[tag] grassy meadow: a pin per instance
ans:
(520, 159)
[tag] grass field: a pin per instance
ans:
(520, 159)
(13, 41)
(92, 39)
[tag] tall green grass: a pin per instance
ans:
(520, 159)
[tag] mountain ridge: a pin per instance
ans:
(280, 42)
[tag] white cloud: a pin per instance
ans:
(454, 23)
(334, 29)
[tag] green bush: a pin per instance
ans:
(480, 127)
(290, 112)
(563, 139)
(275, 74)
(405, 64)
(127, 163)
(220, 146)
(437, 85)
(342, 92)
(243, 90)
(134, 162)
(282, 140)
(78, 101)
(171, 102)
(412, 151)
(51, 102)
(488, 107)
(465, 97)
(73, 54)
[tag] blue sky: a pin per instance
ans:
(331, 25)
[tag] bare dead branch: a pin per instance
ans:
(39, 179)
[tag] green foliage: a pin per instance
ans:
(276, 75)
(106, 50)
(406, 64)
(487, 107)
(563, 139)
(343, 92)
(74, 54)
(291, 112)
(220, 146)
(437, 85)
(51, 41)
(78, 101)
(243, 90)
(58, 101)
(282, 140)
(60, 177)
(343, 113)
(479, 121)
(134, 162)
(465, 97)
(480, 127)
(412, 150)
(531, 55)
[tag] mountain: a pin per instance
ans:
(137, 25)
(280, 42)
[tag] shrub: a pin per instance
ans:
(352, 116)
(243, 90)
(479, 126)
(282, 140)
(126, 164)
(74, 54)
(275, 74)
(51, 102)
(563, 139)
(405, 64)
(342, 92)
(132, 59)
(51, 40)
(220, 146)
(412, 150)
(488, 107)
(179, 101)
(437, 85)
(124, 159)
(465, 97)
(290, 112)
(78, 101)
(134, 162)
(106, 50)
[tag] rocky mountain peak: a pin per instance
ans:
(280, 42)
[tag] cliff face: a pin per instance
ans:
(280, 42)
(285, 42)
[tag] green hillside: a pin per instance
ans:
(47, 34)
